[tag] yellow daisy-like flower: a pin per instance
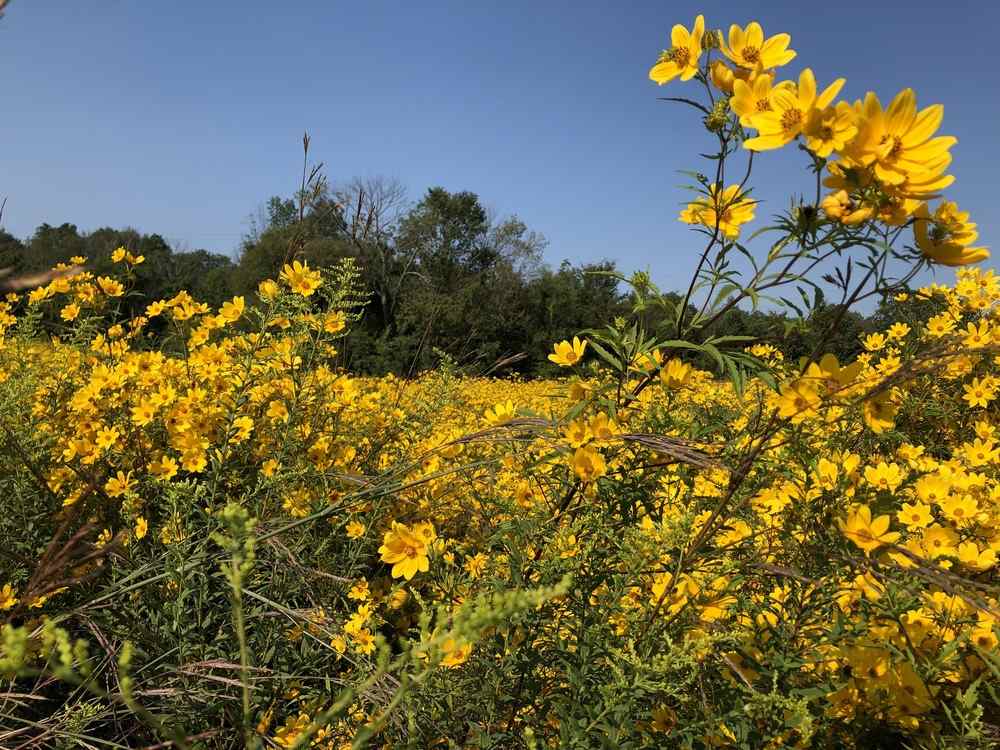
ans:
(681, 60)
(830, 129)
(790, 112)
(566, 354)
(300, 278)
(675, 373)
(726, 209)
(232, 311)
(749, 49)
(119, 485)
(841, 207)
(7, 598)
(455, 652)
(897, 142)
(588, 463)
(70, 312)
(946, 235)
(724, 77)
(867, 533)
(754, 96)
(405, 550)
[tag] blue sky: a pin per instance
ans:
(181, 118)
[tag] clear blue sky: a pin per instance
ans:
(182, 117)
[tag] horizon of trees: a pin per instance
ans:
(445, 278)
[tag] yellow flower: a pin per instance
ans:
(799, 399)
(681, 60)
(141, 527)
(577, 432)
(455, 652)
(971, 556)
(791, 112)
(675, 373)
(144, 412)
(232, 310)
(268, 289)
(725, 77)
(826, 474)
(985, 639)
(979, 452)
(978, 336)
(500, 413)
(748, 48)
(70, 312)
(242, 427)
(475, 565)
(155, 308)
(277, 411)
(897, 143)
(163, 468)
(960, 509)
(829, 129)
(405, 550)
(915, 515)
(398, 598)
(566, 354)
(726, 210)
(944, 236)
(602, 427)
(898, 331)
(884, 476)
(119, 484)
(39, 295)
(938, 540)
(110, 286)
(7, 598)
(107, 437)
(879, 412)
(334, 322)
(842, 207)
(119, 255)
(830, 377)
(866, 533)
(664, 719)
(364, 641)
(588, 463)
(753, 97)
(300, 278)
(355, 529)
(940, 325)
(932, 488)
(978, 393)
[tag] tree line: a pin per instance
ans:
(446, 279)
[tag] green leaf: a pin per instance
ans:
(716, 355)
(606, 355)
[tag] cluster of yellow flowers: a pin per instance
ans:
(884, 163)
(921, 506)
(261, 407)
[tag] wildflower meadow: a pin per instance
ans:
(216, 535)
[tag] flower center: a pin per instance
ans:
(791, 120)
(895, 148)
(751, 55)
(681, 56)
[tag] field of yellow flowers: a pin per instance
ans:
(216, 537)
